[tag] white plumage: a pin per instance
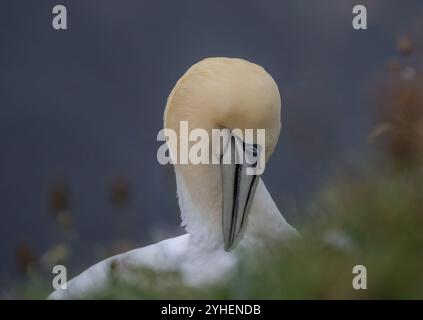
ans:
(214, 93)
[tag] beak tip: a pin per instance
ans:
(228, 245)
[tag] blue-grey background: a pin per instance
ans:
(84, 106)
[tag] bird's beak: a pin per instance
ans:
(238, 186)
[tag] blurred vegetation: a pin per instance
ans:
(373, 217)
(376, 222)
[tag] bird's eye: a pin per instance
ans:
(252, 152)
(252, 149)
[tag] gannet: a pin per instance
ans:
(223, 210)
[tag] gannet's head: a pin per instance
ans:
(224, 93)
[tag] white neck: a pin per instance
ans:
(200, 201)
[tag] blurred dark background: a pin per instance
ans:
(80, 110)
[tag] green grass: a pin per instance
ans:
(376, 222)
